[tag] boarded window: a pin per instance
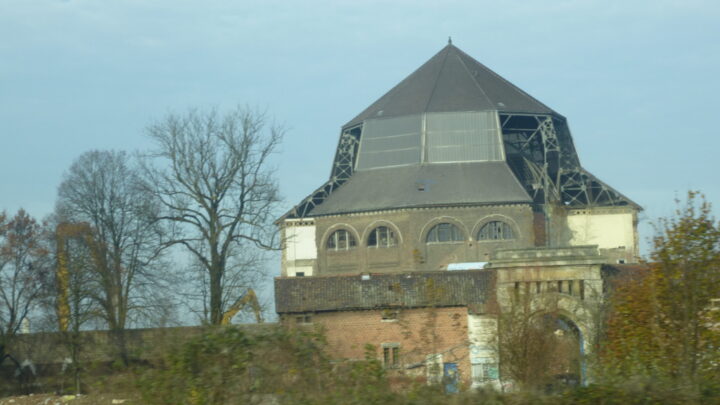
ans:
(341, 240)
(495, 230)
(444, 233)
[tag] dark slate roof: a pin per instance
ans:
(472, 288)
(620, 274)
(451, 81)
(443, 184)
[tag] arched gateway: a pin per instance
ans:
(448, 196)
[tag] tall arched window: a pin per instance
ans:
(443, 233)
(381, 237)
(495, 230)
(341, 240)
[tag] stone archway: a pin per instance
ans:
(564, 364)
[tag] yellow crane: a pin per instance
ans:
(63, 233)
(248, 298)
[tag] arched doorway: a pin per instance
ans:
(541, 351)
(564, 363)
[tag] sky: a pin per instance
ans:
(637, 80)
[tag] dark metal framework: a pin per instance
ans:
(538, 148)
(540, 151)
(342, 169)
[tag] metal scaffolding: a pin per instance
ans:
(541, 153)
(342, 168)
(538, 148)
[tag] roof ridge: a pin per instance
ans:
(504, 80)
(474, 79)
(390, 92)
(437, 77)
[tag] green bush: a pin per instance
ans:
(230, 366)
(278, 366)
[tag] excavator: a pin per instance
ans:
(248, 298)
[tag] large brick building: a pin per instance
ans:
(452, 189)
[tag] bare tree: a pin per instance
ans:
(102, 198)
(24, 268)
(214, 181)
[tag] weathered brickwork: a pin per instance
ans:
(416, 332)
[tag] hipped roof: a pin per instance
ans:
(426, 186)
(470, 288)
(451, 81)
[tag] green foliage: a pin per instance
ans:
(687, 278)
(230, 366)
(662, 323)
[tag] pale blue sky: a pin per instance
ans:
(637, 80)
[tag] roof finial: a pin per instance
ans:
(449, 40)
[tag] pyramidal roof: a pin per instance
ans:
(452, 81)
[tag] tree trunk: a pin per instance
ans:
(216, 294)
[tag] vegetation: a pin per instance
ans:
(663, 322)
(209, 190)
(231, 366)
(536, 348)
(25, 266)
(103, 208)
(215, 186)
(99, 261)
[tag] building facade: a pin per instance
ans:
(457, 178)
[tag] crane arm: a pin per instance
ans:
(248, 298)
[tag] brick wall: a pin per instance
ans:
(416, 332)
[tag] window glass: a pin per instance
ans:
(495, 230)
(382, 237)
(341, 240)
(443, 233)
(463, 137)
(390, 142)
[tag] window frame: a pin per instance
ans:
(391, 355)
(390, 238)
(349, 241)
(453, 230)
(498, 234)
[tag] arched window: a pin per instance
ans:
(381, 237)
(495, 230)
(444, 233)
(341, 240)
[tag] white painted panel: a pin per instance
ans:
(607, 230)
(434, 368)
(300, 243)
(482, 334)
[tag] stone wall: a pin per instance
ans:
(98, 346)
